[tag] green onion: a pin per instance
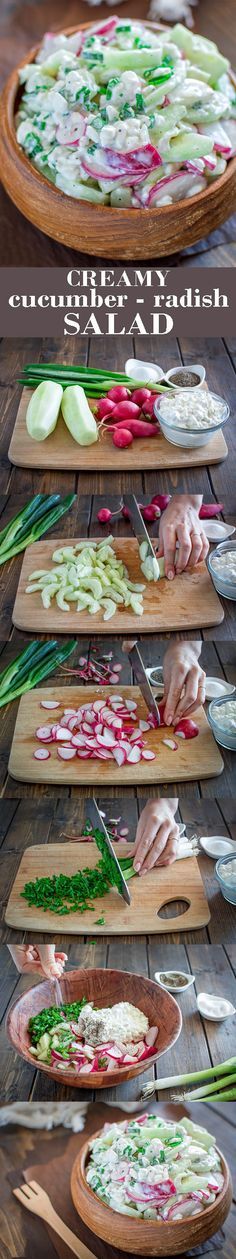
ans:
(95, 381)
(35, 519)
(218, 1078)
(31, 667)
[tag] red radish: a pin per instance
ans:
(147, 755)
(65, 753)
(140, 396)
(115, 1053)
(118, 394)
(125, 513)
(208, 510)
(105, 407)
(151, 513)
(187, 728)
(125, 411)
(104, 515)
(42, 754)
(44, 733)
(122, 438)
(128, 1061)
(161, 706)
(148, 407)
(138, 428)
(49, 703)
(119, 756)
(134, 755)
(161, 500)
(63, 734)
(170, 743)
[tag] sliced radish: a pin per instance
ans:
(63, 734)
(84, 754)
(170, 743)
(78, 741)
(44, 733)
(135, 755)
(49, 703)
(65, 753)
(130, 705)
(151, 1036)
(147, 755)
(98, 705)
(42, 754)
(73, 723)
(70, 712)
(115, 1053)
(64, 722)
(128, 1061)
(119, 756)
(106, 740)
(144, 725)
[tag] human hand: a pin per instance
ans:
(180, 524)
(157, 836)
(40, 959)
(184, 681)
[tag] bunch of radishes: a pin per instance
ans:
(128, 415)
(104, 730)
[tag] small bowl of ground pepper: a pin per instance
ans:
(173, 980)
(182, 377)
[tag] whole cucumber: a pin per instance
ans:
(43, 410)
(78, 417)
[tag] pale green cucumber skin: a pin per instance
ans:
(76, 413)
(46, 398)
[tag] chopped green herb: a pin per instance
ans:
(47, 1019)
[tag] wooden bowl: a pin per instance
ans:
(104, 987)
(146, 1237)
(103, 230)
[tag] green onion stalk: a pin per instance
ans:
(40, 514)
(32, 666)
(94, 381)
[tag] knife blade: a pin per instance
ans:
(137, 522)
(96, 819)
(144, 685)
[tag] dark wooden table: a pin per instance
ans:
(22, 1236)
(23, 25)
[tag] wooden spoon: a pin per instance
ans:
(36, 1200)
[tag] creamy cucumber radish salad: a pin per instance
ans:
(155, 1169)
(123, 115)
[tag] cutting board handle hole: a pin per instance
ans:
(173, 909)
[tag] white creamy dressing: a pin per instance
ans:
(225, 715)
(191, 410)
(214, 1006)
(225, 565)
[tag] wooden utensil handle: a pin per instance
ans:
(67, 1236)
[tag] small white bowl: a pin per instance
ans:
(188, 367)
(139, 370)
(191, 437)
(190, 979)
(214, 1018)
(216, 688)
(218, 530)
(209, 844)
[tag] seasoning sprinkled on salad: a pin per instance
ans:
(155, 1169)
(127, 116)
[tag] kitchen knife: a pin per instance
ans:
(96, 819)
(144, 685)
(137, 522)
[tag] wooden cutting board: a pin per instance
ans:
(187, 602)
(148, 895)
(61, 452)
(194, 759)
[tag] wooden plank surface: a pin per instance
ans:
(148, 896)
(60, 451)
(18, 239)
(181, 604)
(205, 761)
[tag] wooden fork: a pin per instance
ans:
(36, 1200)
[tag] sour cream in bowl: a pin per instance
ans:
(222, 568)
(190, 417)
(226, 875)
(222, 718)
